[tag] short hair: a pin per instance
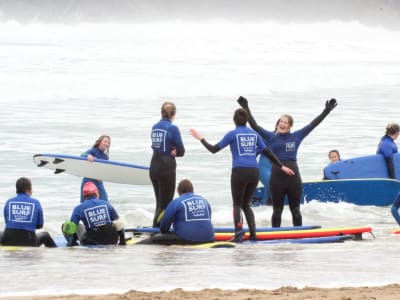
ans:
(392, 128)
(240, 117)
(185, 186)
(168, 110)
(23, 185)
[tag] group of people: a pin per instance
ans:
(186, 219)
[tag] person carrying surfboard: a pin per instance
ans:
(334, 156)
(166, 142)
(101, 223)
(190, 216)
(387, 147)
(285, 145)
(245, 144)
(100, 149)
(23, 215)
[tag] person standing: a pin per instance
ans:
(333, 156)
(245, 144)
(190, 217)
(285, 145)
(387, 147)
(166, 142)
(23, 215)
(99, 150)
(102, 225)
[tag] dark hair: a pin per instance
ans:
(240, 117)
(289, 117)
(168, 110)
(23, 185)
(185, 186)
(334, 151)
(98, 141)
(392, 128)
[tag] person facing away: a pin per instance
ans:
(99, 150)
(101, 223)
(190, 217)
(387, 147)
(334, 156)
(245, 144)
(166, 142)
(285, 144)
(23, 215)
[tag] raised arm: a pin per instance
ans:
(329, 106)
(198, 136)
(244, 104)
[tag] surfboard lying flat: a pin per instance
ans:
(314, 240)
(370, 166)
(105, 170)
(295, 234)
(364, 191)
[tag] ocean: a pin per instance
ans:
(63, 83)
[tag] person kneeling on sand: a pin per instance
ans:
(101, 223)
(190, 215)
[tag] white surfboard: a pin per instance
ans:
(105, 170)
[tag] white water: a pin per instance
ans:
(64, 85)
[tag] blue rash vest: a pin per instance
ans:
(96, 152)
(94, 213)
(165, 137)
(245, 145)
(387, 147)
(286, 145)
(190, 215)
(23, 212)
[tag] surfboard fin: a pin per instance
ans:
(42, 163)
(58, 171)
(57, 161)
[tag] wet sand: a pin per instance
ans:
(388, 292)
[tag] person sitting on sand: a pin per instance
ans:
(102, 225)
(190, 215)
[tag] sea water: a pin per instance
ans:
(63, 85)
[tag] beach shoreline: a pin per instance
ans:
(386, 292)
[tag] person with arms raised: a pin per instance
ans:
(245, 144)
(285, 144)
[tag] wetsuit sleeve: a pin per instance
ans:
(329, 106)
(180, 149)
(209, 147)
(75, 215)
(395, 208)
(272, 157)
(40, 220)
(168, 218)
(390, 167)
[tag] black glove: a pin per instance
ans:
(330, 104)
(243, 102)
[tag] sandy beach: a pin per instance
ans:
(387, 292)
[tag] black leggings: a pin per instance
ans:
(163, 178)
(282, 186)
(20, 237)
(243, 184)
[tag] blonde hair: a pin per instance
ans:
(98, 141)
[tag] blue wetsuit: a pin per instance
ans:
(97, 153)
(165, 137)
(387, 147)
(23, 215)
(245, 144)
(97, 216)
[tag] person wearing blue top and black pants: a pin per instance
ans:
(23, 215)
(387, 147)
(166, 142)
(245, 144)
(285, 145)
(99, 150)
(190, 217)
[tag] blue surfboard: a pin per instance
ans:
(370, 166)
(105, 170)
(367, 191)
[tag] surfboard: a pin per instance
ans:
(365, 191)
(370, 166)
(105, 170)
(313, 240)
(396, 231)
(139, 230)
(295, 234)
